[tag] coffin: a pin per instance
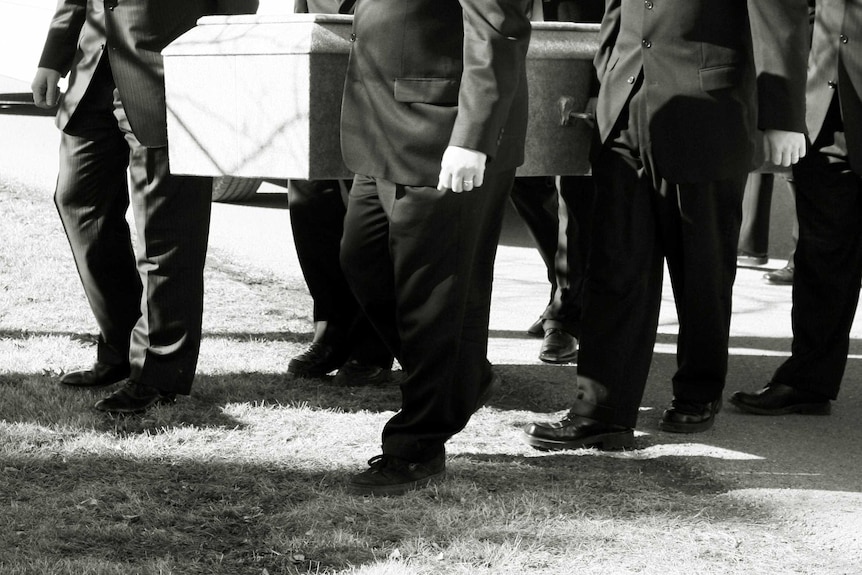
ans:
(259, 96)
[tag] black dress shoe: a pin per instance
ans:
(689, 416)
(134, 397)
(390, 475)
(316, 361)
(748, 259)
(784, 276)
(575, 432)
(538, 328)
(780, 399)
(559, 346)
(100, 375)
(357, 374)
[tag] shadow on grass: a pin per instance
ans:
(41, 400)
(92, 338)
(227, 518)
(792, 451)
(25, 334)
(213, 509)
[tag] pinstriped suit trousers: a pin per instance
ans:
(147, 294)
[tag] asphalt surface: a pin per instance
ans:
(807, 463)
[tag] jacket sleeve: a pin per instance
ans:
(608, 33)
(496, 38)
(780, 38)
(62, 41)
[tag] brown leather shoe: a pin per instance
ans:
(100, 375)
(134, 397)
(575, 432)
(689, 416)
(559, 346)
(780, 399)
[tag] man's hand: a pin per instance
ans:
(461, 169)
(783, 148)
(46, 93)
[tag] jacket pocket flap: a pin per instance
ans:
(427, 90)
(718, 77)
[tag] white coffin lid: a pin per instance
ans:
(265, 34)
(251, 96)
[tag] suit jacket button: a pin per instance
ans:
(630, 79)
(646, 43)
(832, 85)
(353, 37)
(844, 39)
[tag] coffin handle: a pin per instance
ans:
(566, 105)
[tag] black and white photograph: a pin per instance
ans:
(430, 287)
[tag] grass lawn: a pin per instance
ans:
(247, 475)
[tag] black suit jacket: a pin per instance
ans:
(702, 60)
(324, 6)
(133, 34)
(426, 74)
(835, 63)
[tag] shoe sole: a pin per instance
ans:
(604, 441)
(751, 261)
(686, 427)
(164, 400)
(347, 381)
(800, 408)
(94, 385)
(399, 489)
(571, 358)
(298, 371)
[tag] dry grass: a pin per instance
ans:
(247, 475)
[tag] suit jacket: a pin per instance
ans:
(133, 34)
(702, 60)
(426, 74)
(323, 6)
(835, 63)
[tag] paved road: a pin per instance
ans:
(807, 464)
